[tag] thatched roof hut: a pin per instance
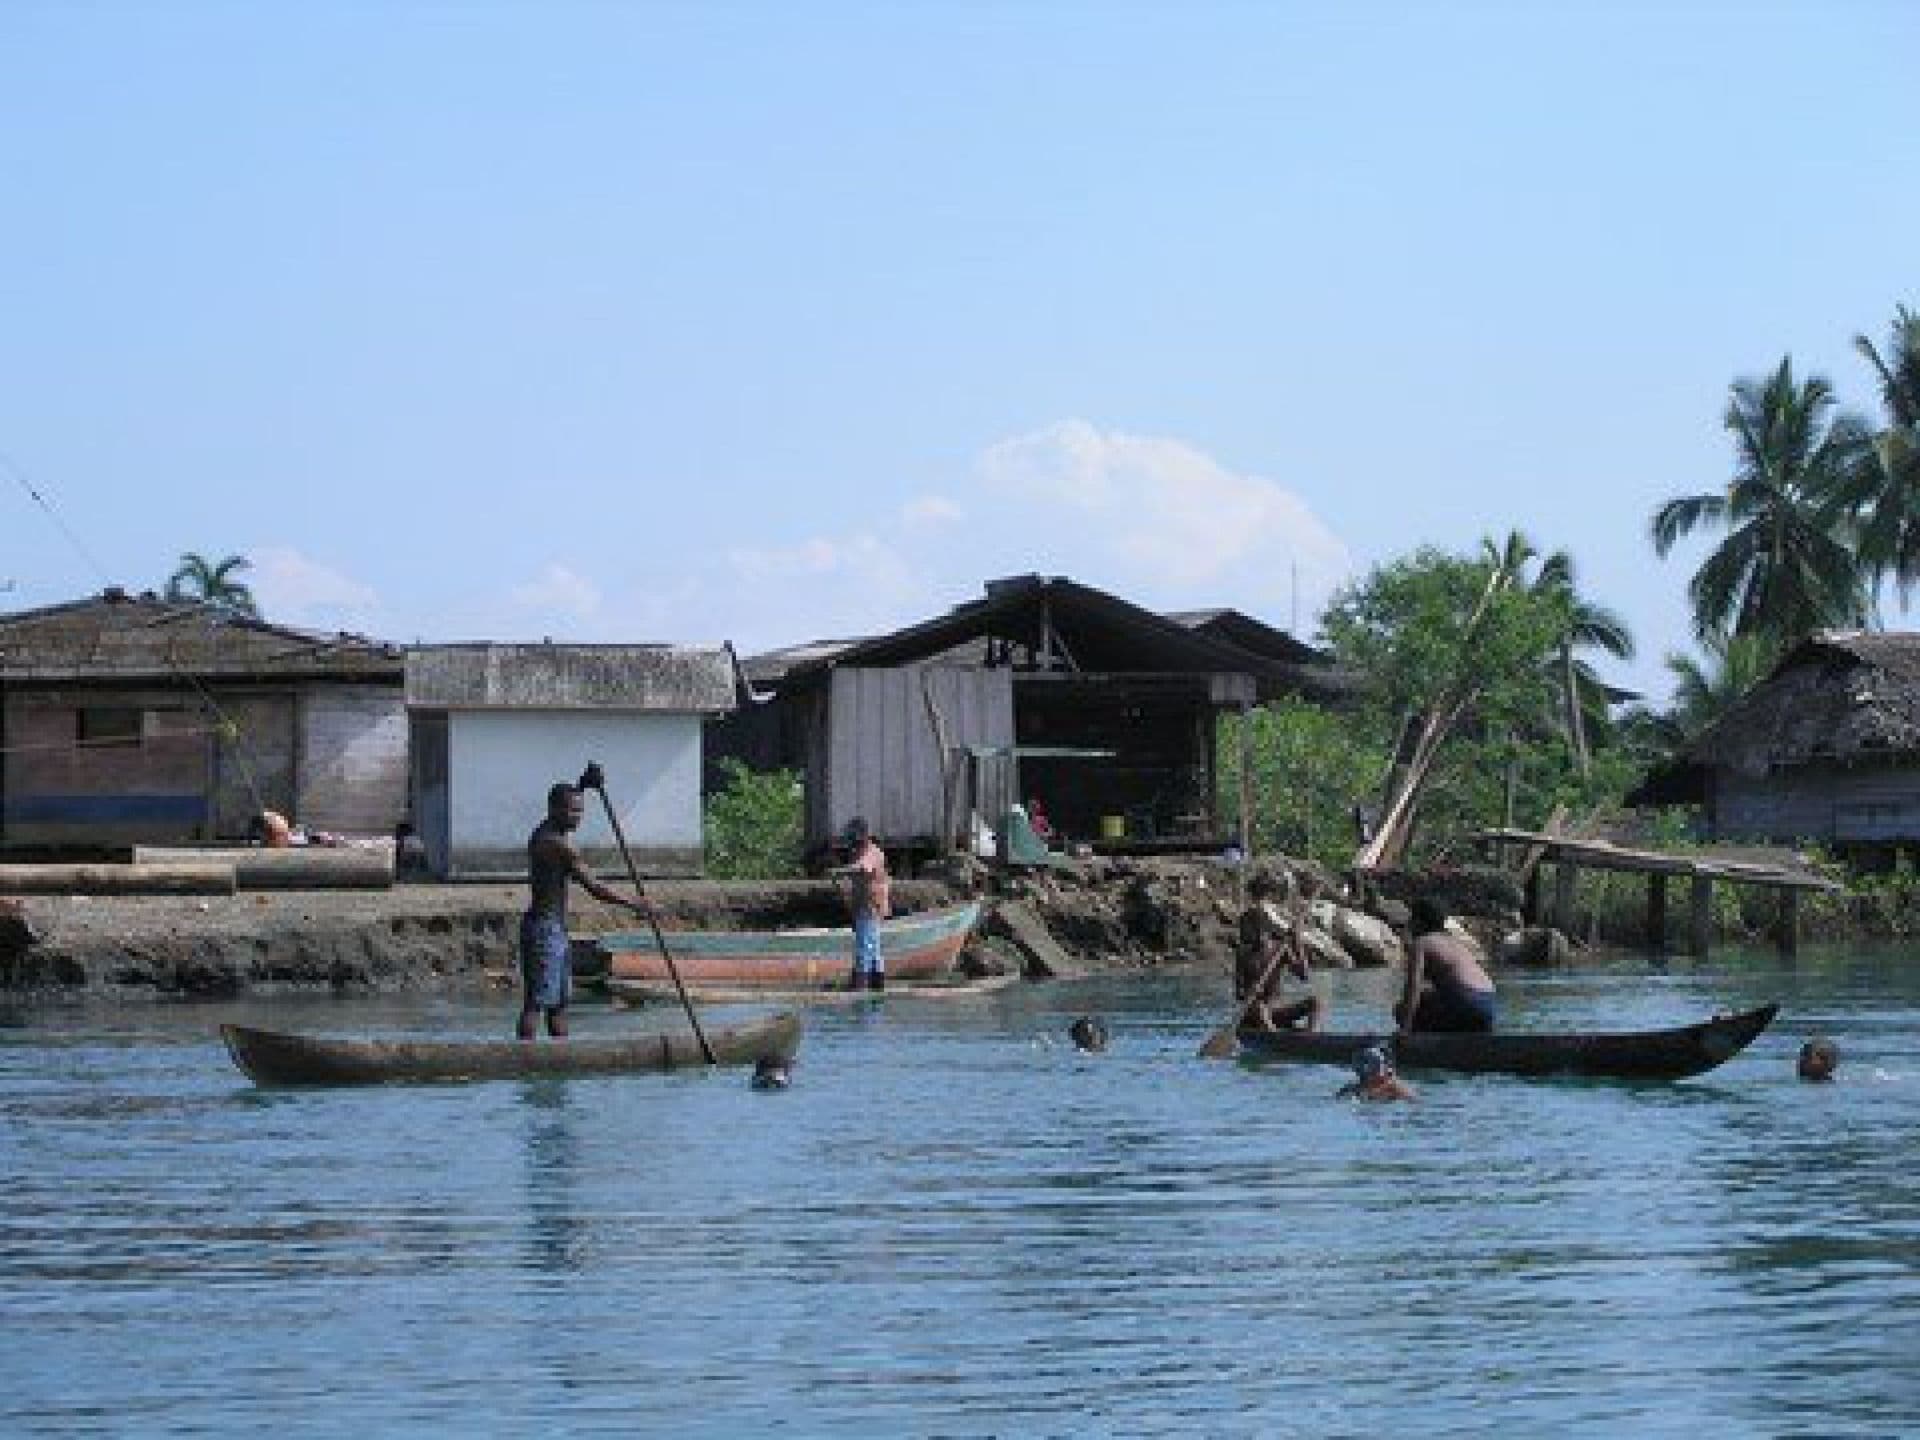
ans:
(1827, 747)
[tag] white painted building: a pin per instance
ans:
(494, 726)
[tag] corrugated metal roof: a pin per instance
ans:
(571, 677)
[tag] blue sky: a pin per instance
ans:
(767, 322)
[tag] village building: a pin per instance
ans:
(494, 726)
(1825, 750)
(130, 719)
(1042, 689)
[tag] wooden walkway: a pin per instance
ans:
(1702, 869)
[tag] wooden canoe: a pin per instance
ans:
(1620, 1055)
(914, 947)
(272, 1057)
(661, 992)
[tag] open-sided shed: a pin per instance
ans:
(1039, 669)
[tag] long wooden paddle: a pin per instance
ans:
(1224, 1041)
(593, 778)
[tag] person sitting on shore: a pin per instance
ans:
(1447, 988)
(1376, 1079)
(1268, 942)
(1819, 1058)
(270, 830)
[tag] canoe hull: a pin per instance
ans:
(661, 992)
(1624, 1055)
(914, 947)
(272, 1057)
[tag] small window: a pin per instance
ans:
(109, 725)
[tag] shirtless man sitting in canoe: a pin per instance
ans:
(1447, 988)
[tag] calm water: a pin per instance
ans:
(954, 1225)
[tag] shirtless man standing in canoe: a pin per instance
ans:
(546, 968)
(1447, 988)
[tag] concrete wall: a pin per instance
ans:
(500, 763)
(59, 792)
(1818, 803)
(352, 767)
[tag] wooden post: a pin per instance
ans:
(1246, 781)
(1700, 915)
(1656, 912)
(1565, 873)
(1531, 904)
(1787, 930)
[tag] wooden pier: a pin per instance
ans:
(1700, 869)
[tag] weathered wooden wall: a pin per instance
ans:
(1824, 803)
(352, 768)
(881, 761)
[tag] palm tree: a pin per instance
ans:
(198, 578)
(1786, 565)
(1586, 626)
(1703, 692)
(1887, 488)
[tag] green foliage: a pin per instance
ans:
(1418, 626)
(1310, 767)
(755, 824)
(213, 583)
(1787, 560)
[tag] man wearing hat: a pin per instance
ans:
(869, 896)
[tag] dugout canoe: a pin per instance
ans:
(1611, 1055)
(914, 947)
(657, 992)
(273, 1057)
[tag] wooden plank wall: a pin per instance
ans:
(1826, 804)
(352, 769)
(881, 759)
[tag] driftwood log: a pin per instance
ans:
(298, 867)
(173, 879)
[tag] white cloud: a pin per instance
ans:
(558, 592)
(295, 589)
(926, 512)
(1155, 520)
(1165, 522)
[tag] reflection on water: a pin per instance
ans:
(556, 1236)
(955, 1223)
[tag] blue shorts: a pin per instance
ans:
(1456, 1011)
(546, 961)
(867, 959)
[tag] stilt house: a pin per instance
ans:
(1825, 749)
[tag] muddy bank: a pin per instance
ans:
(1100, 914)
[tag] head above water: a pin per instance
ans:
(1089, 1034)
(1373, 1063)
(771, 1073)
(1429, 915)
(1819, 1058)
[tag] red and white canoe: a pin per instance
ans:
(913, 947)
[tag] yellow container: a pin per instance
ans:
(1113, 827)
